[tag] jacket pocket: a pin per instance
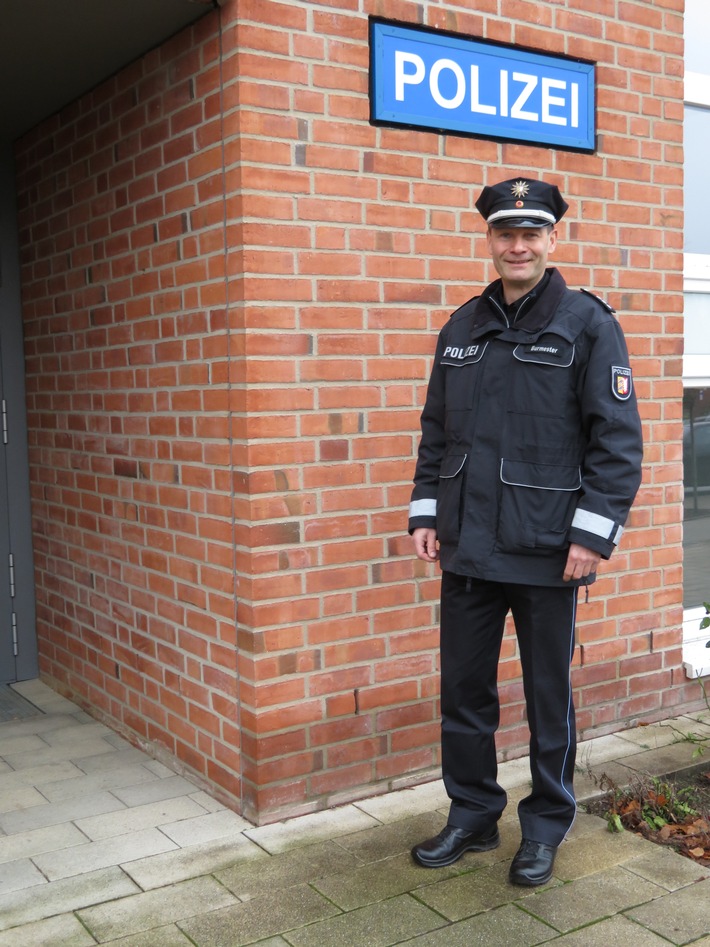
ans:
(537, 505)
(448, 501)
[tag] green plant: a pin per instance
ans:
(650, 800)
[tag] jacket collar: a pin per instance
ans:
(534, 313)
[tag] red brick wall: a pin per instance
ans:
(190, 457)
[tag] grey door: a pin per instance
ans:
(18, 638)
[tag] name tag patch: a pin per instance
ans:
(621, 383)
(549, 350)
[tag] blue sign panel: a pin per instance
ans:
(427, 79)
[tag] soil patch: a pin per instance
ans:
(671, 810)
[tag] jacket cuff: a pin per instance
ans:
(604, 547)
(422, 514)
(598, 525)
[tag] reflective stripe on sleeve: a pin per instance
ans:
(598, 525)
(422, 508)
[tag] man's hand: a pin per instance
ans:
(425, 544)
(580, 562)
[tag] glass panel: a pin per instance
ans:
(696, 463)
(697, 29)
(696, 133)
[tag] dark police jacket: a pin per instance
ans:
(531, 438)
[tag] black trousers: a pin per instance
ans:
(473, 616)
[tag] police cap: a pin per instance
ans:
(521, 202)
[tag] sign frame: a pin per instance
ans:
(486, 123)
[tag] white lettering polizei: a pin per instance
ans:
(553, 96)
(436, 71)
(402, 78)
(476, 104)
(530, 86)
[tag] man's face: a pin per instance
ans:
(519, 255)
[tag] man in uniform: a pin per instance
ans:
(529, 461)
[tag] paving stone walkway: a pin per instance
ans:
(100, 844)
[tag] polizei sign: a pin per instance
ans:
(421, 78)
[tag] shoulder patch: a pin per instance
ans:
(621, 382)
(601, 301)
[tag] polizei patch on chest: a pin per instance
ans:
(459, 355)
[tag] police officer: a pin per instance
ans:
(529, 460)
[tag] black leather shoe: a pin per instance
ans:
(532, 864)
(451, 843)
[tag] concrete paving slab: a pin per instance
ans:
(140, 794)
(20, 874)
(514, 773)
(305, 830)
(117, 741)
(144, 912)
(208, 803)
(79, 753)
(12, 746)
(600, 749)
(163, 813)
(168, 936)
(19, 798)
(591, 898)
(159, 870)
(61, 897)
(38, 775)
(596, 851)
(614, 932)
(252, 921)
(681, 917)
(61, 931)
(666, 868)
(383, 841)
(471, 893)
(204, 827)
(508, 926)
(404, 803)
(586, 824)
(94, 855)
(114, 779)
(74, 732)
(23, 820)
(378, 881)
(274, 942)
(39, 841)
(664, 759)
(112, 760)
(35, 725)
(44, 697)
(250, 879)
(157, 768)
(377, 925)
(657, 735)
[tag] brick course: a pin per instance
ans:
(232, 284)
